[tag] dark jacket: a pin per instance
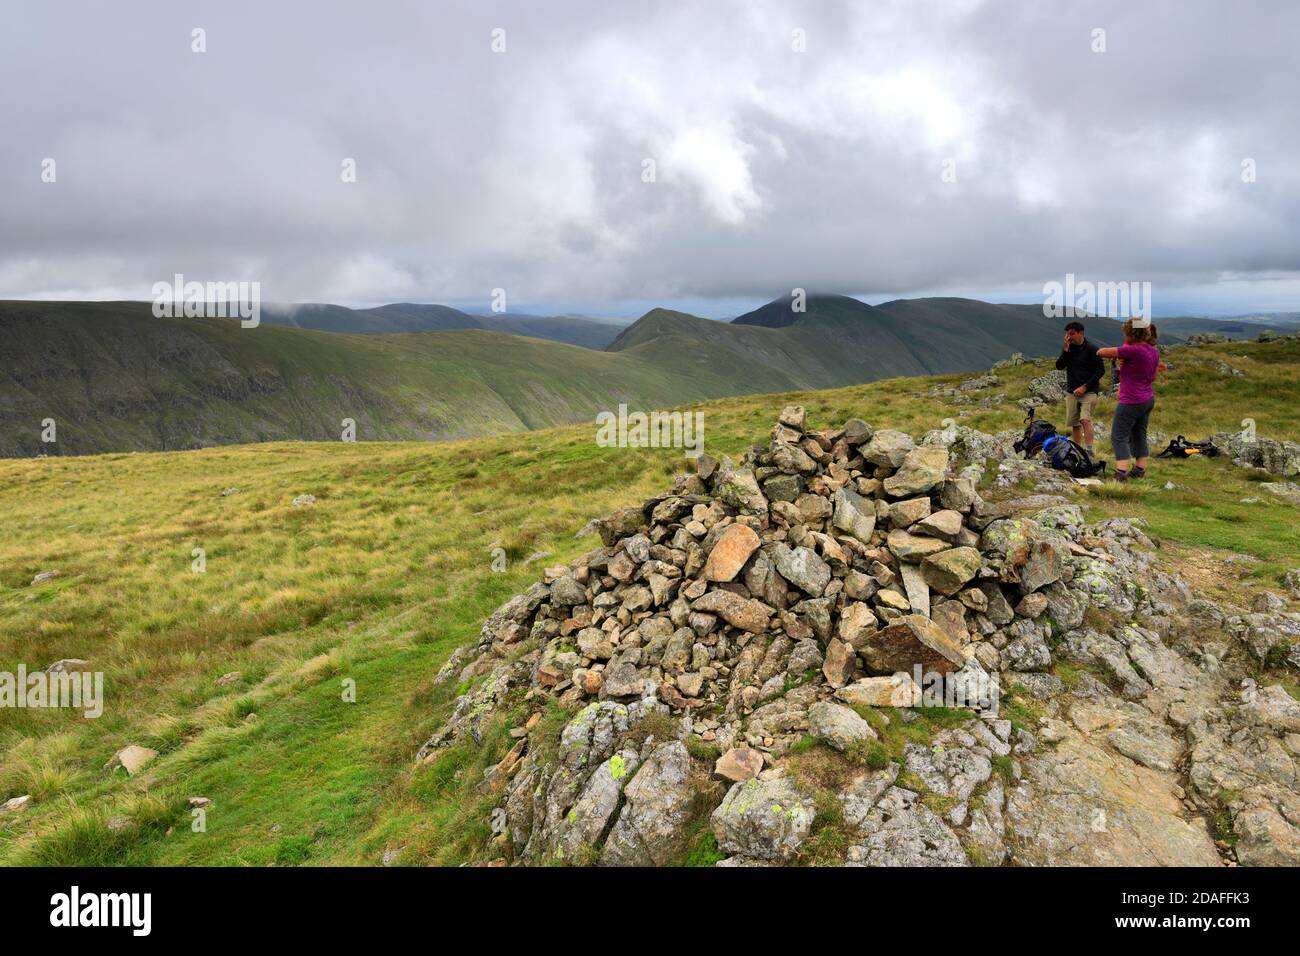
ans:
(1083, 366)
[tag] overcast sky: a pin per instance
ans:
(774, 168)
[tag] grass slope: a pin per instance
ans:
(421, 317)
(114, 378)
(379, 582)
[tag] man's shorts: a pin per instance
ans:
(1080, 409)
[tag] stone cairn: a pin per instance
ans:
(753, 603)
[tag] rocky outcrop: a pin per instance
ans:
(1276, 457)
(783, 599)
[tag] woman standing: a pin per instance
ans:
(1138, 363)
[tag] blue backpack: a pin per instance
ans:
(1061, 453)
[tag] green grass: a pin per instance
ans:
(380, 581)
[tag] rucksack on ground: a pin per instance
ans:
(1180, 448)
(1061, 453)
(1036, 432)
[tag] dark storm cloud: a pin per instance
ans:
(522, 170)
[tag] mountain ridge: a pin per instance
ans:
(115, 378)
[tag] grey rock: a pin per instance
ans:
(902, 831)
(922, 469)
(802, 568)
(888, 448)
(837, 725)
(651, 830)
(854, 514)
(586, 821)
(766, 820)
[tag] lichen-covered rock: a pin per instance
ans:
(765, 820)
(651, 828)
(902, 831)
(585, 822)
(1028, 650)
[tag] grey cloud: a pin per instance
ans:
(522, 170)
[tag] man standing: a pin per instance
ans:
(1083, 371)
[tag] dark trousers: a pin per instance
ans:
(1128, 430)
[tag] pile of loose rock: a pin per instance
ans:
(826, 573)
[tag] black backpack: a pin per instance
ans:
(1061, 453)
(1180, 448)
(1036, 432)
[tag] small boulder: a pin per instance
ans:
(914, 547)
(132, 759)
(909, 641)
(896, 690)
(948, 571)
(888, 448)
(652, 828)
(944, 524)
(856, 431)
(1043, 566)
(837, 725)
(854, 514)
(792, 416)
(67, 665)
(730, 553)
(739, 764)
(1032, 605)
(839, 663)
(765, 820)
(744, 613)
(904, 514)
(921, 470)
(802, 568)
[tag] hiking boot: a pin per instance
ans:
(1121, 475)
(1137, 472)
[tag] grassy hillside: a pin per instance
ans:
(380, 580)
(421, 317)
(114, 378)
